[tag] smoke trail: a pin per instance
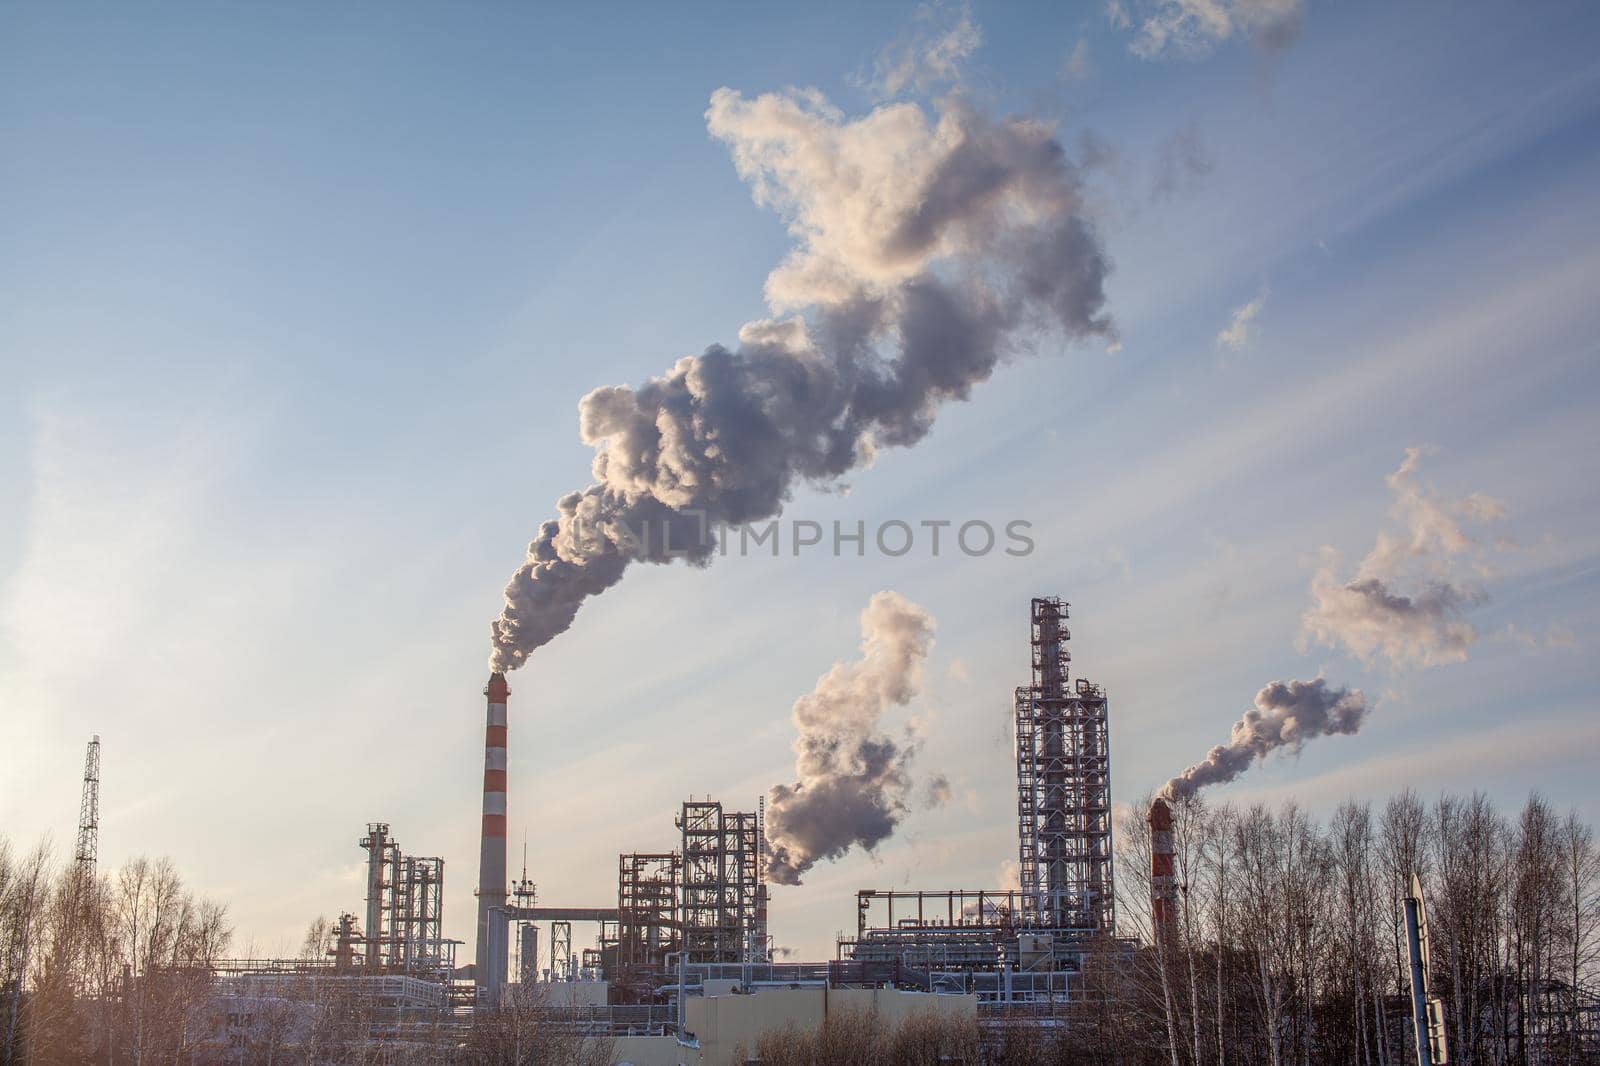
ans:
(1433, 558)
(927, 249)
(1285, 715)
(853, 780)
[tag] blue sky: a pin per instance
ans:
(297, 305)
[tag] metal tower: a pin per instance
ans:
(722, 910)
(88, 849)
(1063, 787)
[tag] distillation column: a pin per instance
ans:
(1063, 785)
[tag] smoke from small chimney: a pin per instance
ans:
(853, 779)
(1286, 715)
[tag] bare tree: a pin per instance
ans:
(530, 1030)
(1579, 895)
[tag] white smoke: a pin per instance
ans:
(1408, 599)
(853, 779)
(927, 249)
(1286, 715)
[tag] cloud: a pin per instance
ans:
(853, 779)
(1193, 29)
(1559, 636)
(1242, 328)
(1408, 599)
(930, 54)
(1286, 714)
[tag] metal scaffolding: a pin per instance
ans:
(1063, 787)
(404, 931)
(1028, 946)
(723, 900)
(562, 962)
(647, 907)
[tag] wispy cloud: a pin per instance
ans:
(1241, 329)
(1408, 599)
(930, 54)
(1192, 29)
(1078, 65)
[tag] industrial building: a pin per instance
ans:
(1025, 948)
(688, 927)
(694, 920)
(390, 978)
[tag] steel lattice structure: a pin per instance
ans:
(723, 900)
(405, 908)
(87, 852)
(647, 907)
(1063, 786)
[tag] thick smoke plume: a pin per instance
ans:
(1408, 599)
(1286, 715)
(927, 249)
(853, 779)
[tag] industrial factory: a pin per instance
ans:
(679, 967)
(689, 924)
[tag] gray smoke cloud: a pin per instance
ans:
(928, 248)
(1286, 715)
(1408, 599)
(853, 779)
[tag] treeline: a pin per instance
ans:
(101, 968)
(1289, 943)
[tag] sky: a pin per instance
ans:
(297, 305)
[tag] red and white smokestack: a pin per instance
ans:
(493, 924)
(1163, 879)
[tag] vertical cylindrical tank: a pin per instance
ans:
(528, 954)
(491, 949)
(377, 844)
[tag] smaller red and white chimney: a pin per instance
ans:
(1163, 879)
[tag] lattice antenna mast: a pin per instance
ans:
(89, 809)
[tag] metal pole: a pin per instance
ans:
(683, 977)
(1419, 978)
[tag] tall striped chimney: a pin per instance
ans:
(493, 924)
(1163, 879)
